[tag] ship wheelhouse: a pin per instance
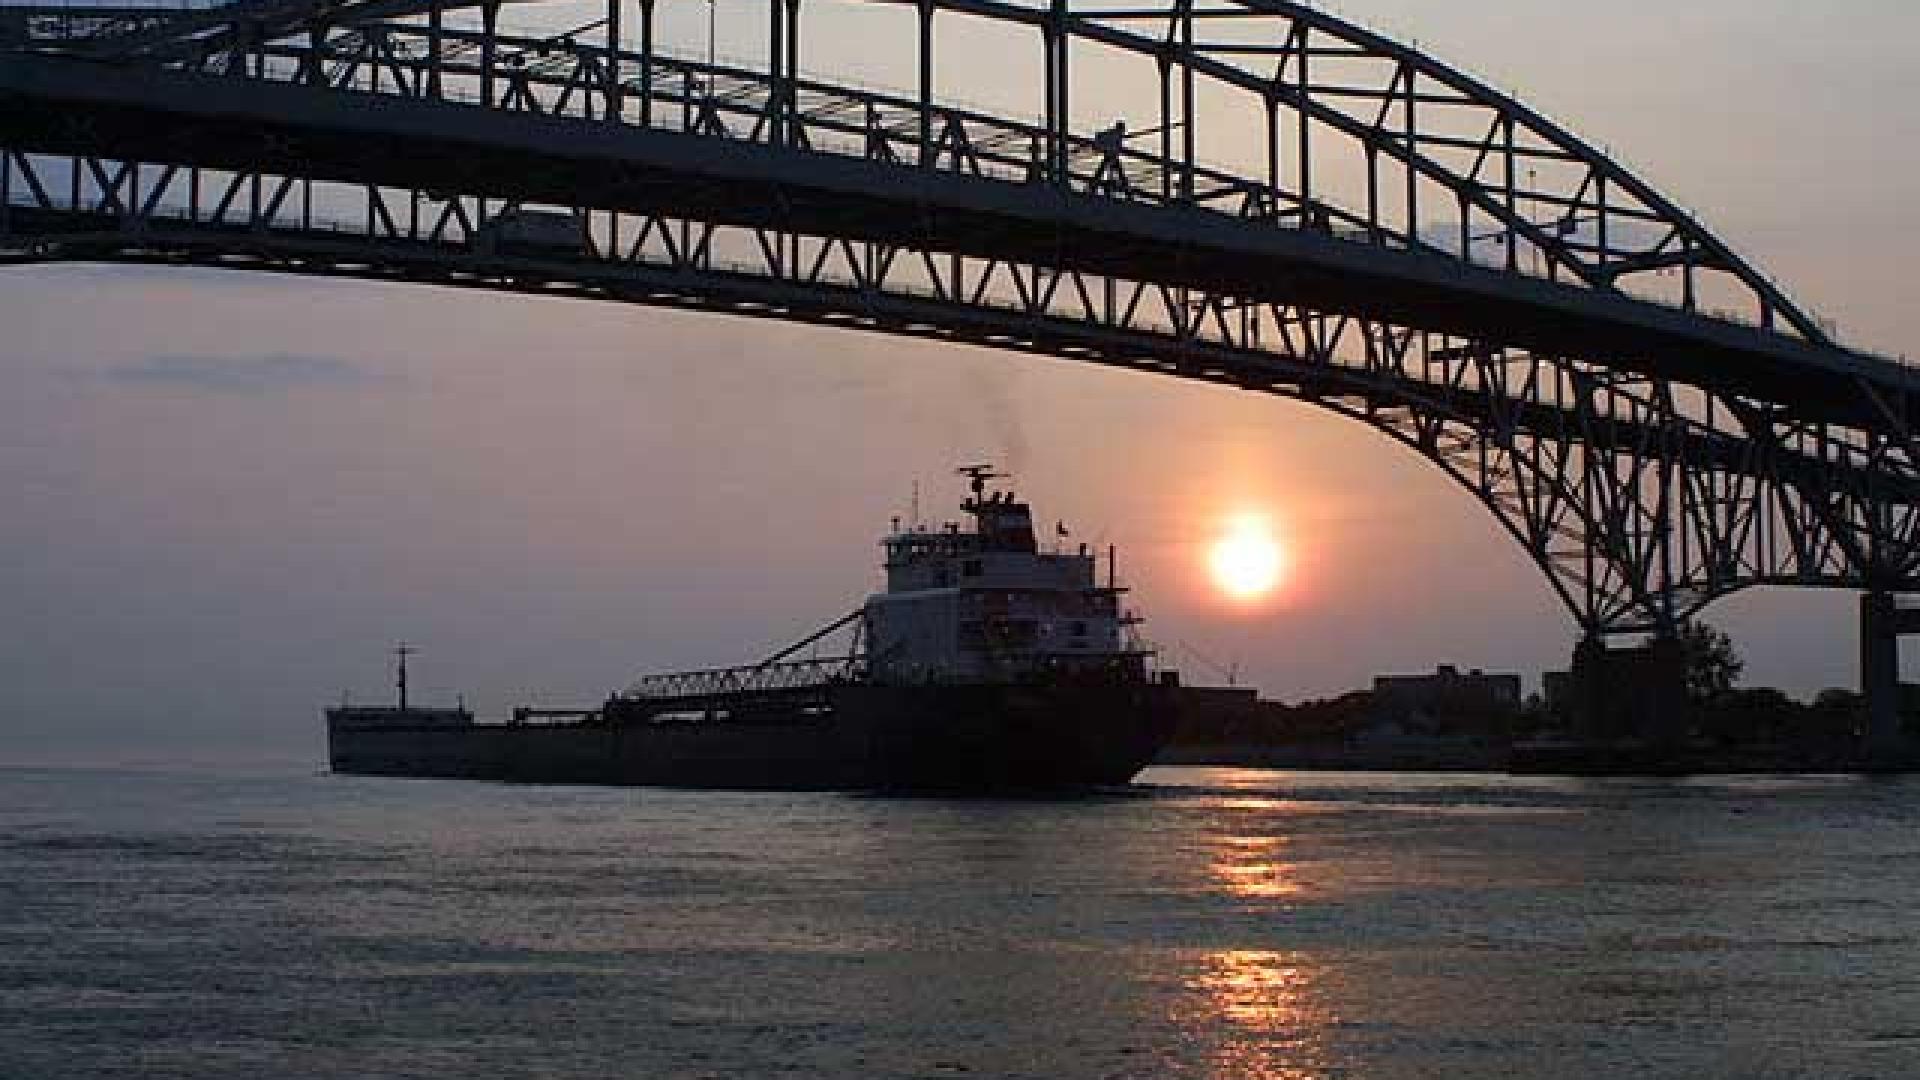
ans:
(987, 605)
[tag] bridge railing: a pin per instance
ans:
(554, 74)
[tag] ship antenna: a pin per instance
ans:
(401, 652)
(979, 475)
(916, 506)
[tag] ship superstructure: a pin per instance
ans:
(986, 604)
(985, 664)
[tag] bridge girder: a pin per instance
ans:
(1648, 458)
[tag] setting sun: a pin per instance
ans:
(1246, 561)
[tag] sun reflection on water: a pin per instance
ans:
(1251, 865)
(1252, 802)
(1262, 1010)
(1250, 868)
(1258, 881)
(1268, 1021)
(1256, 989)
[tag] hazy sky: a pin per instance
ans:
(226, 495)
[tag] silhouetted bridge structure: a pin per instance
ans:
(1296, 205)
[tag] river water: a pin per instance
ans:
(268, 923)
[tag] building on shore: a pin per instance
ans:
(1447, 702)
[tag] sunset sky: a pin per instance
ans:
(228, 495)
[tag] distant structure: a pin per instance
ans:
(1556, 692)
(1412, 700)
(1610, 695)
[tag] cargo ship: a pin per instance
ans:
(985, 665)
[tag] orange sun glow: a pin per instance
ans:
(1246, 560)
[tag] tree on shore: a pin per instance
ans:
(1713, 666)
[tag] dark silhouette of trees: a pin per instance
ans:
(1713, 666)
(1837, 699)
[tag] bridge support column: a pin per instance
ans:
(1882, 623)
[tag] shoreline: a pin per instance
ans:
(1569, 759)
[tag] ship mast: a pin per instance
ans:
(401, 652)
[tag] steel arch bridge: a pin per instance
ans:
(1655, 421)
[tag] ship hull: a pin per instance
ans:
(987, 738)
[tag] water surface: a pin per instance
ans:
(1218, 923)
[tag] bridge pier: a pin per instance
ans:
(1882, 623)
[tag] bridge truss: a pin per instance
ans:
(1408, 247)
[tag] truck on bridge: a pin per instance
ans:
(532, 232)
